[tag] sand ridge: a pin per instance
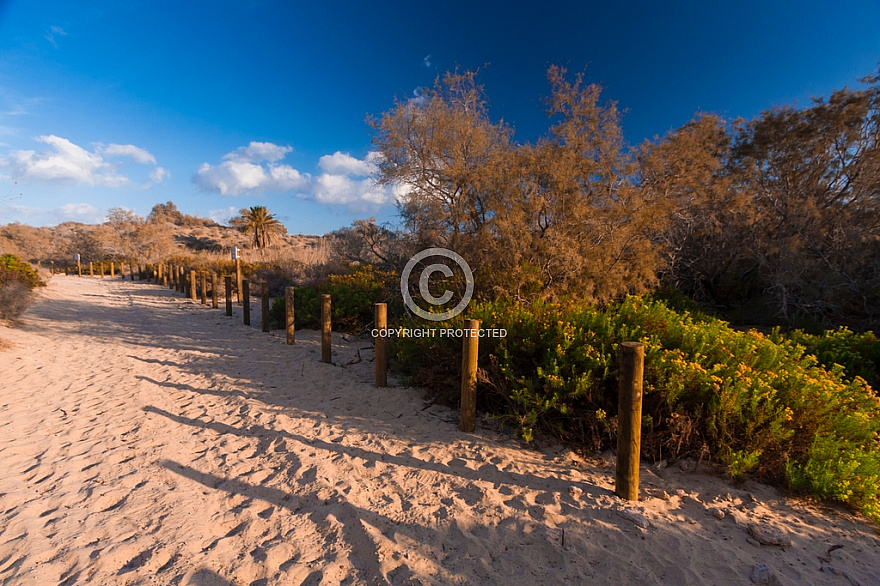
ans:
(145, 439)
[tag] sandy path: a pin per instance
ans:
(145, 439)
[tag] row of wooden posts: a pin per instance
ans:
(631, 354)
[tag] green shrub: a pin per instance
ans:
(352, 295)
(754, 402)
(857, 353)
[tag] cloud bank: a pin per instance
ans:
(343, 180)
(66, 162)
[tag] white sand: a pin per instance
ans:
(145, 439)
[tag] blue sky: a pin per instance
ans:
(227, 104)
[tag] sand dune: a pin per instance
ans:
(145, 439)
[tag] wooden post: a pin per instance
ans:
(288, 315)
(264, 307)
(381, 342)
(53, 266)
(122, 270)
(228, 281)
(238, 281)
(246, 301)
(193, 290)
(131, 270)
(164, 268)
(181, 279)
(204, 285)
(102, 269)
(112, 270)
(470, 352)
(629, 420)
(91, 269)
(79, 267)
(326, 329)
(214, 295)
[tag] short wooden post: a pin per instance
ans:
(381, 343)
(238, 280)
(470, 353)
(112, 270)
(91, 269)
(326, 330)
(246, 301)
(181, 279)
(79, 267)
(204, 285)
(102, 269)
(214, 295)
(228, 280)
(264, 307)
(193, 290)
(629, 419)
(288, 315)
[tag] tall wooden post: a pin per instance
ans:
(264, 307)
(228, 280)
(238, 280)
(193, 290)
(470, 352)
(288, 315)
(381, 342)
(79, 267)
(91, 269)
(629, 419)
(102, 269)
(112, 270)
(204, 285)
(326, 329)
(246, 301)
(214, 295)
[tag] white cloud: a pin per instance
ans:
(66, 162)
(243, 170)
(159, 174)
(345, 180)
(223, 216)
(345, 164)
(257, 152)
(139, 155)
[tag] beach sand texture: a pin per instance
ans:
(146, 439)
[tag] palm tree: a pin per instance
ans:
(259, 222)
